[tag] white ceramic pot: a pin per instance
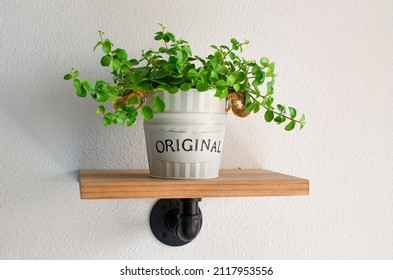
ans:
(187, 140)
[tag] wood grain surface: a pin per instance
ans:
(111, 184)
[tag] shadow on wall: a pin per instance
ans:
(62, 131)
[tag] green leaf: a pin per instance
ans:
(130, 121)
(171, 36)
(281, 108)
(231, 80)
(220, 85)
(250, 107)
(77, 83)
(110, 116)
(270, 72)
(133, 62)
(102, 96)
(68, 77)
(131, 111)
(185, 87)
(187, 49)
(255, 83)
(106, 46)
(133, 100)
(159, 74)
(172, 51)
(100, 110)
(270, 88)
(214, 76)
(165, 87)
(213, 62)
(218, 56)
(302, 121)
(81, 91)
(240, 76)
(264, 61)
(232, 55)
(236, 87)
(224, 93)
(88, 85)
(135, 78)
(184, 56)
(120, 110)
(203, 75)
(121, 53)
(112, 90)
(292, 112)
(290, 126)
(115, 65)
(106, 60)
(173, 90)
(222, 69)
(158, 104)
(268, 101)
(107, 121)
(147, 112)
(172, 60)
(120, 119)
(201, 86)
(234, 41)
(247, 98)
(159, 36)
(200, 59)
(166, 38)
(96, 45)
(256, 70)
(124, 67)
(269, 115)
(279, 119)
(257, 92)
(76, 74)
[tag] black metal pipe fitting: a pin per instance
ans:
(176, 222)
(189, 219)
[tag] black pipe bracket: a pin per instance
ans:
(176, 222)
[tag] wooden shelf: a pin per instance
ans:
(110, 184)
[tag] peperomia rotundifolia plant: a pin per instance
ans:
(173, 68)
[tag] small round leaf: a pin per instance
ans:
(68, 77)
(106, 46)
(106, 60)
(201, 86)
(100, 110)
(269, 115)
(107, 121)
(185, 87)
(290, 126)
(158, 104)
(81, 91)
(220, 85)
(147, 112)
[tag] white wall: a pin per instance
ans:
(335, 64)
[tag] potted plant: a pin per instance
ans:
(183, 99)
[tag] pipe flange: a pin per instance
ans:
(164, 220)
